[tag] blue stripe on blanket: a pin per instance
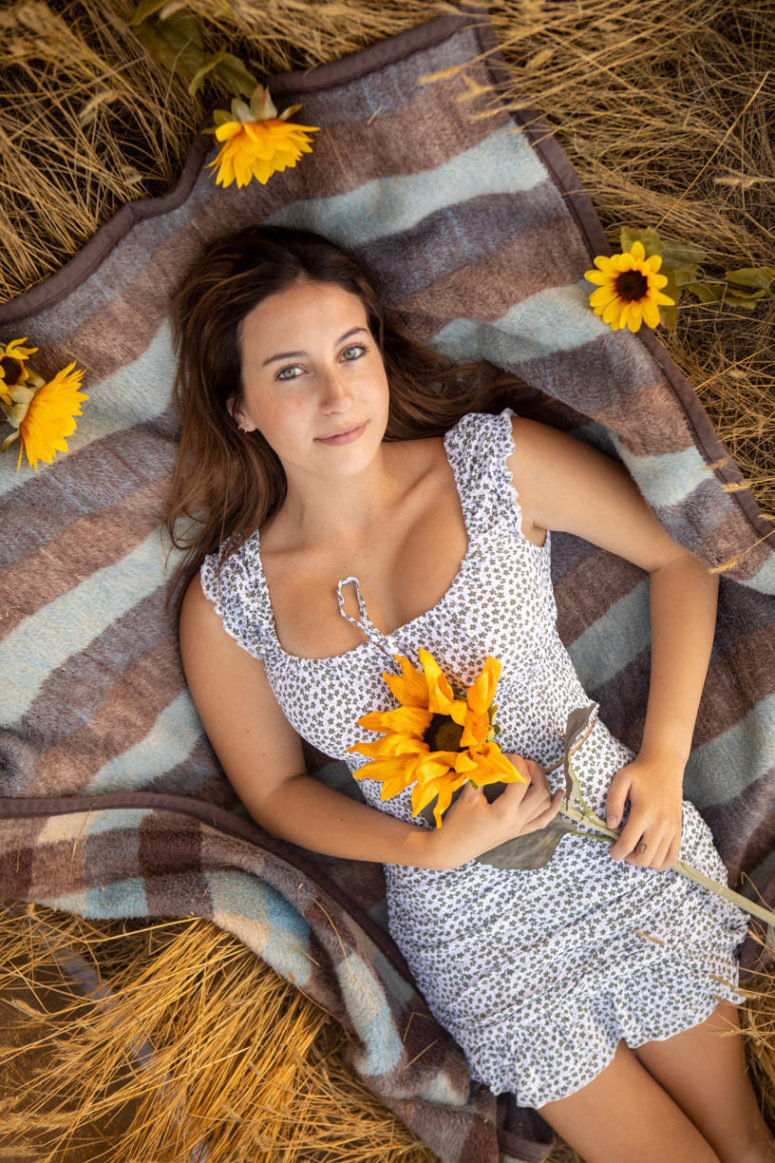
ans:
(133, 394)
(43, 642)
(764, 578)
(502, 163)
(264, 920)
(122, 898)
(669, 478)
(552, 320)
(398, 986)
(172, 738)
(612, 642)
(367, 1008)
(735, 759)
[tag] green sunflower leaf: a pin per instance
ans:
(576, 725)
(233, 74)
(707, 292)
(652, 243)
(718, 292)
(682, 254)
(683, 276)
(145, 9)
(751, 279)
(533, 850)
(174, 42)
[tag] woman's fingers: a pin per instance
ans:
(534, 797)
(546, 814)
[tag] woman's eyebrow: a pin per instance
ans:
(292, 354)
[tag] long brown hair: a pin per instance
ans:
(226, 483)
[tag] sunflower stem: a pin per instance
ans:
(599, 831)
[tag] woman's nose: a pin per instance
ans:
(335, 392)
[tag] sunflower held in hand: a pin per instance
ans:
(436, 739)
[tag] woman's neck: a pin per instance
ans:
(347, 509)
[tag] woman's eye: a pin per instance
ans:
(281, 374)
(357, 347)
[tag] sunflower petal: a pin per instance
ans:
(411, 688)
(482, 690)
(600, 278)
(603, 296)
(440, 693)
(405, 720)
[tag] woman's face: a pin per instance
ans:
(314, 383)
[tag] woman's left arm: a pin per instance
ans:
(565, 485)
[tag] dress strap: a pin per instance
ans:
(384, 642)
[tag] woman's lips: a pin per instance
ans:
(345, 436)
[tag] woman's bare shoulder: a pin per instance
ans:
(568, 485)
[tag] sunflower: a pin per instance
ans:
(629, 288)
(12, 370)
(435, 739)
(50, 417)
(256, 142)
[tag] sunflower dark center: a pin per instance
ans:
(12, 370)
(631, 285)
(443, 734)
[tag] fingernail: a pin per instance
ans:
(612, 821)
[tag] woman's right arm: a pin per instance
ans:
(262, 757)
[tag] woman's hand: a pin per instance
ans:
(651, 837)
(473, 825)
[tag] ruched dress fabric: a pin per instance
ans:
(537, 974)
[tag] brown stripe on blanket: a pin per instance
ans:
(71, 694)
(127, 713)
(623, 699)
(482, 290)
(748, 834)
(522, 224)
(110, 470)
(586, 592)
(743, 676)
(590, 376)
(716, 541)
(650, 423)
(172, 863)
(18, 844)
(89, 543)
(62, 864)
(198, 775)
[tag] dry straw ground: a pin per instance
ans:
(664, 108)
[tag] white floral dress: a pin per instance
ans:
(537, 974)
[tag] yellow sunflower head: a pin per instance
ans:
(255, 141)
(435, 739)
(628, 288)
(50, 417)
(13, 369)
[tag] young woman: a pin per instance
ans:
(356, 497)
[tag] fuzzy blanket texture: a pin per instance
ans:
(474, 227)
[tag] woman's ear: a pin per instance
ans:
(237, 414)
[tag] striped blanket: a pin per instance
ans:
(473, 224)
